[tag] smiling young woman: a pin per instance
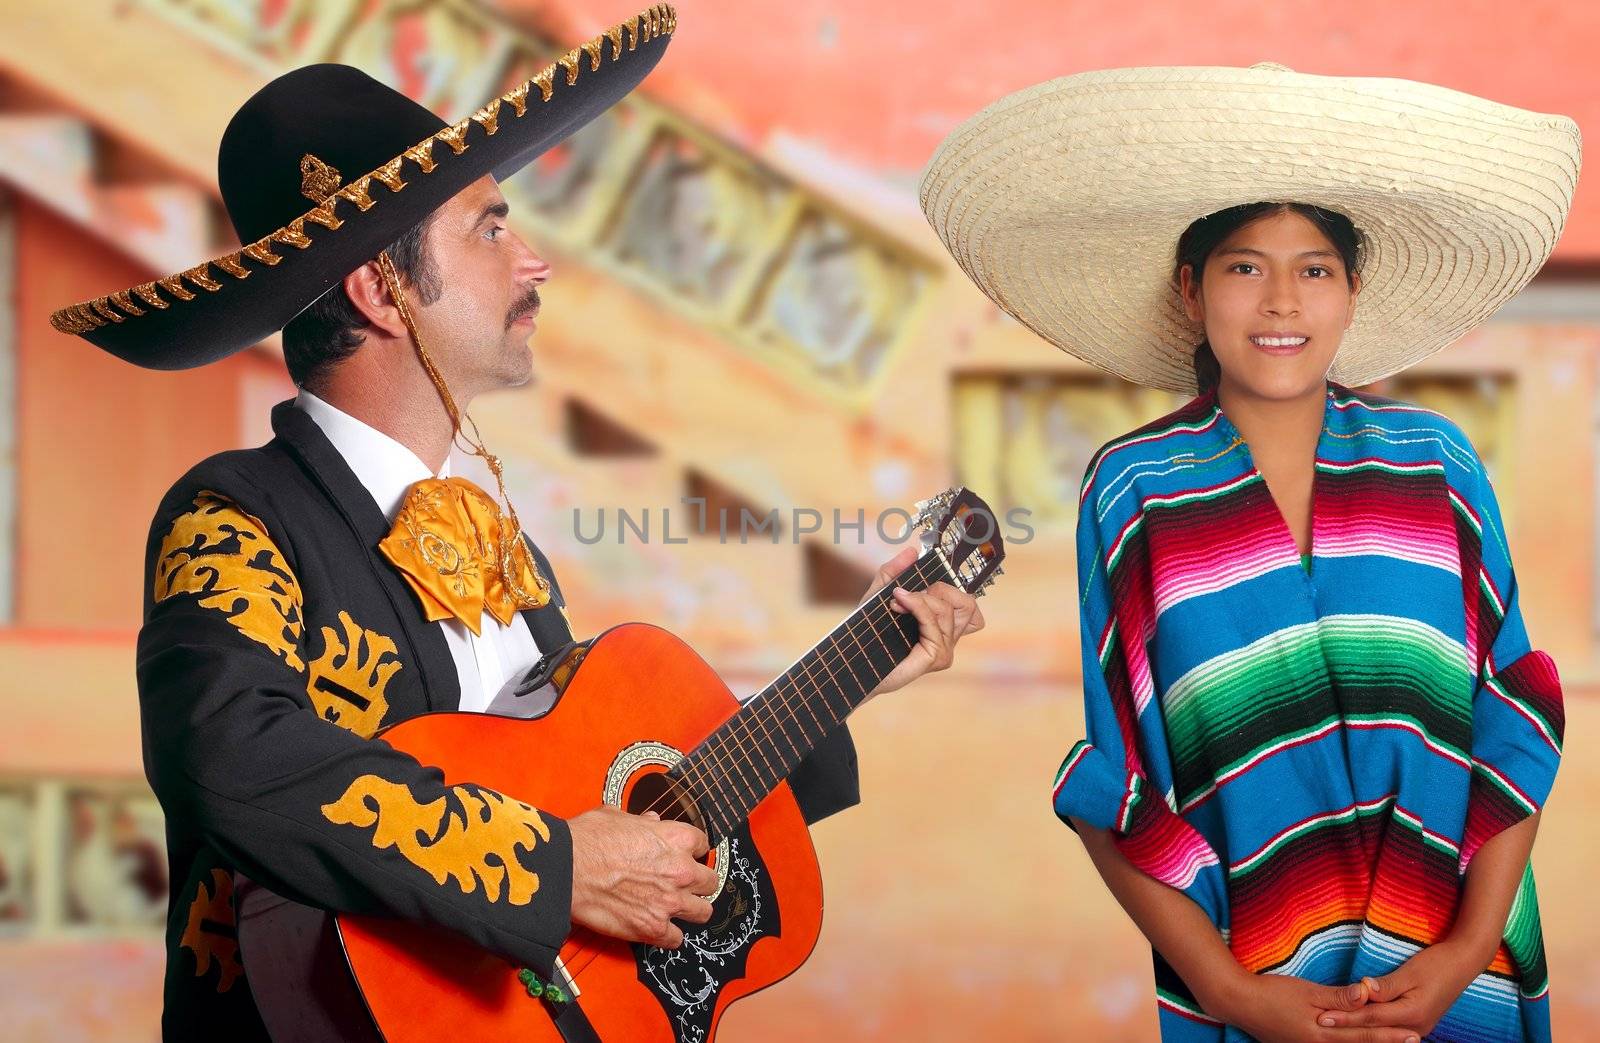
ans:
(1275, 285)
(1318, 739)
(1336, 695)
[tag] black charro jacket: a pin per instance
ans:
(276, 641)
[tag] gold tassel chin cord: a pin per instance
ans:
(511, 561)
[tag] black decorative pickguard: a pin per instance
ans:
(687, 980)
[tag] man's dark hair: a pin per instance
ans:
(329, 331)
(1201, 238)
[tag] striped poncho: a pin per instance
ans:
(1312, 752)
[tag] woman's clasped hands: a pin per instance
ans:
(1400, 1007)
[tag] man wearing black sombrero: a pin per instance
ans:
(305, 594)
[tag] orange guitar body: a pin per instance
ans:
(636, 684)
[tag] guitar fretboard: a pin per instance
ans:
(741, 762)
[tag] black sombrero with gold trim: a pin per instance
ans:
(296, 139)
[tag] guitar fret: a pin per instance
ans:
(759, 746)
(779, 720)
(791, 717)
(845, 661)
(821, 730)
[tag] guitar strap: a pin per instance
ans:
(548, 622)
(548, 626)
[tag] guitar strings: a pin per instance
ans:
(874, 612)
(767, 716)
(707, 759)
(870, 614)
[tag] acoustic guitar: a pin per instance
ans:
(641, 723)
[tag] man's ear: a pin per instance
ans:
(370, 295)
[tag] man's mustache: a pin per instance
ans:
(528, 304)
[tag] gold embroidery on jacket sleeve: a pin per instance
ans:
(470, 834)
(347, 681)
(212, 933)
(224, 556)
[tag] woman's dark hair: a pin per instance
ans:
(1202, 237)
(329, 330)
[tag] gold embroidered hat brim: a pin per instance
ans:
(1064, 203)
(228, 303)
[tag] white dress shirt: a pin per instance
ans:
(386, 468)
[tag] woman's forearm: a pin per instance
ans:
(1491, 885)
(1175, 925)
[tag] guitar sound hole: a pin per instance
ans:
(659, 792)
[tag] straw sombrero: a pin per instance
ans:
(1064, 203)
(325, 167)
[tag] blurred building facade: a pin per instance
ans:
(731, 326)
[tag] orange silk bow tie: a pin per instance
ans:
(461, 555)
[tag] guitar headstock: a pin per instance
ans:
(965, 533)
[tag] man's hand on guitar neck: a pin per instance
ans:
(632, 875)
(944, 615)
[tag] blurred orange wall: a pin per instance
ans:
(98, 441)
